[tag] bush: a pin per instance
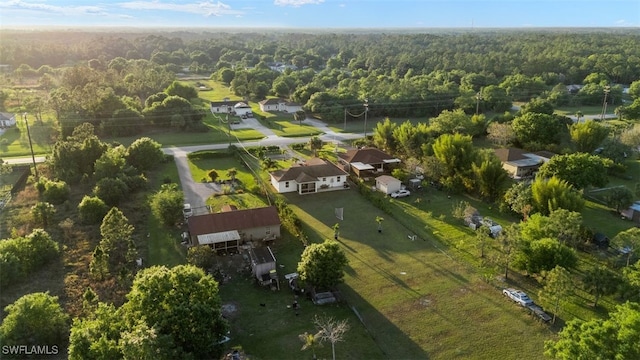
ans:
(136, 182)
(21, 256)
(36, 319)
(144, 154)
(201, 256)
(111, 191)
(167, 204)
(92, 210)
(55, 192)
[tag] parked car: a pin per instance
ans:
(400, 193)
(187, 211)
(518, 296)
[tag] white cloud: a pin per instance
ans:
(207, 8)
(68, 10)
(296, 3)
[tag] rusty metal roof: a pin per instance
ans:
(233, 220)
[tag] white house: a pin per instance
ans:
(388, 184)
(222, 107)
(241, 109)
(7, 120)
(313, 176)
(279, 105)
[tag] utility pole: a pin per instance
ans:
(345, 119)
(366, 110)
(33, 158)
(607, 89)
(229, 123)
(478, 98)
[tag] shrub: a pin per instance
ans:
(92, 209)
(20, 256)
(55, 192)
(111, 191)
(167, 204)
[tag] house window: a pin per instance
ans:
(324, 179)
(286, 184)
(338, 179)
(267, 230)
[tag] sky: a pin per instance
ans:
(322, 14)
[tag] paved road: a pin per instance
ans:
(196, 193)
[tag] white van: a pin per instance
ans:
(187, 211)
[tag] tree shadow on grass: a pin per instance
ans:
(391, 340)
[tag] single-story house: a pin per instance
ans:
(241, 109)
(312, 176)
(279, 105)
(521, 164)
(222, 107)
(633, 212)
(7, 120)
(237, 108)
(263, 264)
(227, 230)
(388, 184)
(367, 161)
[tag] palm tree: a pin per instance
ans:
(232, 174)
(213, 175)
(268, 163)
(315, 143)
(619, 111)
(310, 341)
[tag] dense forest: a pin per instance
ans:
(399, 74)
(460, 86)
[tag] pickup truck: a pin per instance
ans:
(518, 296)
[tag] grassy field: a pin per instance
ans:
(290, 128)
(416, 299)
(15, 142)
(163, 244)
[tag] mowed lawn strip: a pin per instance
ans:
(417, 301)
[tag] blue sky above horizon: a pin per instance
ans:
(372, 14)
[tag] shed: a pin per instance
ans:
(633, 212)
(263, 265)
(415, 184)
(388, 184)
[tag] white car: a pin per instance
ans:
(400, 193)
(518, 296)
(187, 211)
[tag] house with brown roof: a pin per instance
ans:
(521, 164)
(368, 161)
(275, 104)
(227, 230)
(312, 176)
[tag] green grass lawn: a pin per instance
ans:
(586, 110)
(271, 331)
(416, 299)
(290, 128)
(15, 142)
(163, 244)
